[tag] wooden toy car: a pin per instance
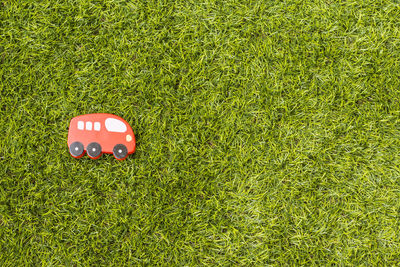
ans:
(100, 133)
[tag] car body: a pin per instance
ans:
(100, 133)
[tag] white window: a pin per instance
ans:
(88, 125)
(97, 126)
(114, 125)
(80, 125)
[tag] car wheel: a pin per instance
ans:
(120, 152)
(76, 149)
(93, 150)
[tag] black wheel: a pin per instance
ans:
(93, 150)
(76, 149)
(120, 151)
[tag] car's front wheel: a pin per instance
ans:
(120, 152)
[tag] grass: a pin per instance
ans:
(267, 132)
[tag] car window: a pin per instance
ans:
(114, 125)
(97, 126)
(81, 125)
(89, 125)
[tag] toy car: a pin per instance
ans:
(100, 133)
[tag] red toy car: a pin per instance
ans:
(100, 133)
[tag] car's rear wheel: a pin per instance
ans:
(76, 149)
(120, 152)
(93, 150)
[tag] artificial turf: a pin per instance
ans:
(267, 132)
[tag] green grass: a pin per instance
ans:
(268, 132)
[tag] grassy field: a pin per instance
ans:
(267, 132)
